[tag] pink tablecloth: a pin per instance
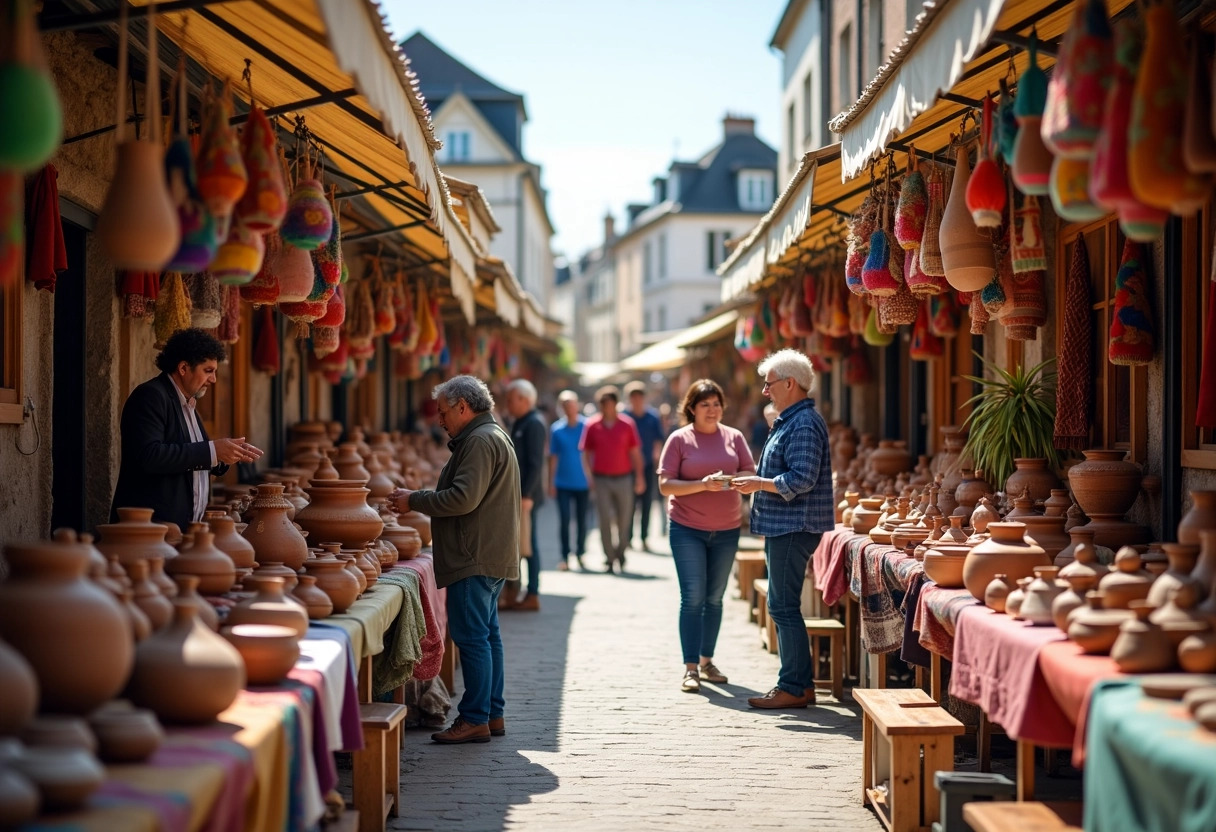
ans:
(435, 613)
(937, 610)
(828, 563)
(996, 666)
(1071, 675)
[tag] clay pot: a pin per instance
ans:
(64, 777)
(331, 576)
(902, 536)
(368, 563)
(291, 492)
(1205, 567)
(1127, 582)
(1058, 503)
(1182, 559)
(349, 463)
(1154, 560)
(1071, 599)
(18, 691)
(1005, 552)
(1032, 474)
(49, 731)
(1047, 533)
(271, 569)
(386, 553)
(225, 538)
(148, 596)
(1113, 532)
(141, 627)
(314, 599)
(1094, 628)
(1142, 646)
(1040, 595)
(129, 735)
(270, 606)
(340, 513)
(983, 514)
(72, 632)
(306, 458)
(271, 532)
(1105, 485)
(865, 516)
(213, 568)
(1023, 506)
(19, 799)
(891, 457)
(185, 673)
(944, 569)
(1197, 653)
(970, 489)
(187, 590)
(378, 482)
(134, 537)
(311, 433)
(268, 650)
(1180, 615)
(325, 470)
(1080, 536)
(156, 574)
(1013, 602)
(1076, 518)
(996, 593)
(405, 538)
(1201, 515)
(351, 564)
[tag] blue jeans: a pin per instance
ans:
(581, 499)
(534, 561)
(703, 560)
(473, 625)
(786, 556)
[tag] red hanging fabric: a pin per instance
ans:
(266, 350)
(45, 252)
(1074, 385)
(1205, 410)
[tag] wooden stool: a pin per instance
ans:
(818, 629)
(897, 727)
(377, 768)
(768, 629)
(451, 658)
(1023, 817)
(748, 567)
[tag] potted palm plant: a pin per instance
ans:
(1012, 417)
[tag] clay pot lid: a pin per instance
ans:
(1174, 685)
(335, 483)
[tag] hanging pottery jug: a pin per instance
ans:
(1072, 117)
(1031, 166)
(28, 96)
(138, 225)
(967, 255)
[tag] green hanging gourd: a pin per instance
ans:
(31, 117)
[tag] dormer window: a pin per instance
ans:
(755, 190)
(456, 145)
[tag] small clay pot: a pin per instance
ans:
(1093, 628)
(19, 799)
(1040, 595)
(1013, 603)
(272, 569)
(156, 574)
(270, 606)
(1127, 583)
(1005, 552)
(268, 650)
(50, 731)
(148, 596)
(212, 566)
(314, 599)
(334, 580)
(1071, 599)
(1142, 646)
(18, 691)
(1182, 558)
(64, 777)
(944, 569)
(126, 736)
(997, 592)
(1058, 503)
(187, 590)
(1197, 652)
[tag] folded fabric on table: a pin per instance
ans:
(912, 651)
(435, 615)
(879, 576)
(403, 639)
(936, 611)
(828, 564)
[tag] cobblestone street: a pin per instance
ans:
(600, 736)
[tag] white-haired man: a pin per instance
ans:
(528, 432)
(792, 508)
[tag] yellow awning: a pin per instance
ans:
(670, 352)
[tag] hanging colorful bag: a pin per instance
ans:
(862, 225)
(264, 288)
(309, 221)
(1076, 93)
(1031, 165)
(986, 187)
(264, 203)
(1131, 326)
(944, 315)
(206, 310)
(221, 170)
(28, 94)
(1027, 251)
(240, 258)
(925, 346)
(229, 330)
(930, 254)
(913, 206)
(172, 309)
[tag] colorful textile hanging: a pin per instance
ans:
(930, 245)
(138, 291)
(1031, 163)
(979, 315)
(1205, 404)
(266, 349)
(862, 226)
(913, 206)
(1026, 250)
(1026, 309)
(199, 235)
(264, 288)
(1131, 326)
(12, 225)
(229, 330)
(925, 345)
(986, 193)
(221, 170)
(857, 366)
(944, 315)
(1077, 90)
(172, 309)
(46, 254)
(883, 272)
(897, 310)
(264, 202)
(205, 308)
(1074, 385)
(859, 310)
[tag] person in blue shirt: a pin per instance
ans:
(650, 431)
(568, 479)
(792, 509)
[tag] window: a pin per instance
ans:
(662, 318)
(646, 321)
(789, 135)
(646, 264)
(808, 109)
(705, 307)
(662, 257)
(875, 48)
(755, 190)
(456, 146)
(715, 248)
(844, 69)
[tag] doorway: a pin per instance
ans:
(69, 406)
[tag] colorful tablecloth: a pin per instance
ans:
(435, 614)
(879, 576)
(937, 610)
(828, 563)
(1071, 676)
(1151, 768)
(368, 619)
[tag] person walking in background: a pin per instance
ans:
(650, 433)
(792, 508)
(698, 462)
(475, 534)
(613, 464)
(567, 479)
(528, 433)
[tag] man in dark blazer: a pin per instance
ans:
(166, 454)
(531, 438)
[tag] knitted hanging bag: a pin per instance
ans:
(199, 233)
(979, 315)
(913, 206)
(838, 312)
(800, 321)
(859, 310)
(930, 247)
(222, 178)
(898, 309)
(266, 357)
(986, 194)
(861, 228)
(264, 203)
(1076, 92)
(1205, 404)
(857, 366)
(326, 328)
(240, 257)
(206, 310)
(882, 274)
(925, 346)
(944, 315)
(1026, 250)
(360, 317)
(172, 309)
(264, 288)
(1074, 385)
(1131, 326)
(229, 330)
(309, 220)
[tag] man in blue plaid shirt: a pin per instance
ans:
(792, 509)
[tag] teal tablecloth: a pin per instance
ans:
(1149, 767)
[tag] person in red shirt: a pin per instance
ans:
(613, 460)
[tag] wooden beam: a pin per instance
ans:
(89, 20)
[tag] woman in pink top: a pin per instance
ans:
(705, 515)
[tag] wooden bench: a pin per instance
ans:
(1023, 817)
(748, 567)
(377, 768)
(818, 630)
(768, 629)
(906, 737)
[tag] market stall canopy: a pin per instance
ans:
(958, 51)
(670, 352)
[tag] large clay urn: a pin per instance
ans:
(1105, 484)
(338, 510)
(134, 537)
(72, 632)
(1032, 474)
(18, 691)
(272, 534)
(185, 673)
(214, 569)
(333, 579)
(270, 606)
(891, 457)
(237, 548)
(1201, 515)
(1005, 552)
(1047, 532)
(350, 463)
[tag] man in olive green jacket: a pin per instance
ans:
(475, 534)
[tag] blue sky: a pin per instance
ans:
(613, 89)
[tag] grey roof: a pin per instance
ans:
(709, 185)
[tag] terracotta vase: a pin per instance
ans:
(215, 571)
(1205, 567)
(185, 673)
(997, 592)
(340, 513)
(891, 457)
(269, 651)
(1032, 474)
(306, 459)
(148, 596)
(970, 489)
(1040, 595)
(271, 569)
(944, 566)
(1105, 485)
(314, 599)
(1079, 536)
(1023, 506)
(331, 576)
(350, 463)
(1005, 552)
(1201, 515)
(352, 567)
(18, 691)
(1127, 582)
(64, 777)
(967, 254)
(325, 470)
(306, 433)
(141, 627)
(1048, 533)
(1197, 652)
(156, 574)
(1095, 628)
(272, 534)
(1142, 646)
(1013, 602)
(19, 799)
(270, 606)
(187, 590)
(368, 563)
(1154, 560)
(984, 514)
(405, 539)
(237, 548)
(1180, 616)
(378, 484)
(865, 516)
(1058, 503)
(134, 537)
(126, 735)
(1071, 599)
(1182, 558)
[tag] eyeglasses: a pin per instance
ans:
(768, 384)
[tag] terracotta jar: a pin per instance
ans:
(187, 590)
(309, 433)
(314, 599)
(333, 579)
(237, 548)
(996, 593)
(340, 513)
(1040, 595)
(1105, 485)
(944, 566)
(134, 537)
(349, 463)
(405, 538)
(19, 799)
(385, 552)
(890, 458)
(1047, 532)
(291, 490)
(64, 777)
(967, 254)
(1095, 628)
(126, 735)
(273, 536)
(1071, 599)
(1078, 537)
(1013, 602)
(141, 627)
(1005, 552)
(984, 514)
(865, 516)
(270, 606)
(1154, 560)
(215, 571)
(1023, 506)
(1201, 515)
(1058, 503)
(971, 488)
(422, 524)
(18, 691)
(185, 673)
(1180, 616)
(1182, 558)
(306, 459)
(953, 533)
(851, 501)
(1197, 652)
(148, 596)
(272, 569)
(156, 574)
(1032, 474)
(325, 470)
(1205, 567)
(1127, 582)
(350, 562)
(378, 482)
(366, 561)
(268, 650)
(1142, 646)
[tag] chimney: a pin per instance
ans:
(660, 189)
(733, 125)
(609, 228)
